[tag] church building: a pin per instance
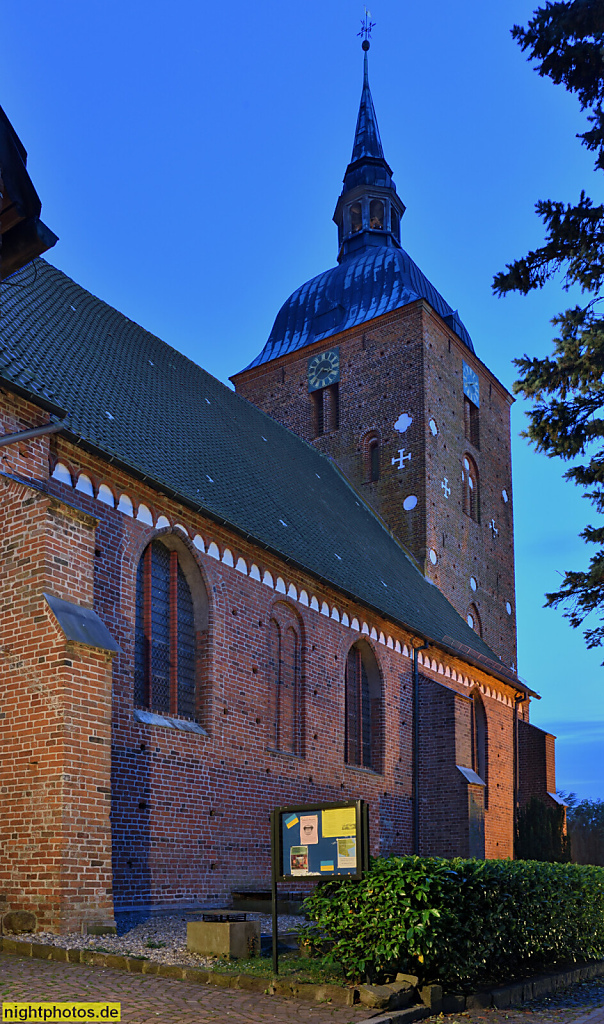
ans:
(218, 602)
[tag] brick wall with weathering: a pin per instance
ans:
(401, 385)
(189, 810)
(537, 762)
(55, 704)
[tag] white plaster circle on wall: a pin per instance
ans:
(508, 607)
(410, 502)
(504, 495)
(433, 427)
(473, 583)
(433, 556)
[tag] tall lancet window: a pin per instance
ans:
(363, 708)
(166, 636)
(285, 680)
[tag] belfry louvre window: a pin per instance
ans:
(165, 639)
(363, 709)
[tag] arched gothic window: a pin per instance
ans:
(473, 619)
(171, 614)
(479, 741)
(363, 708)
(371, 457)
(285, 680)
(471, 497)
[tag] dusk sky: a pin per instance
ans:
(190, 156)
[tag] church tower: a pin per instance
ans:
(369, 363)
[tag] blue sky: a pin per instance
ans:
(190, 160)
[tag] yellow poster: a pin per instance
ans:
(339, 821)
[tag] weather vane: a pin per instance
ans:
(366, 25)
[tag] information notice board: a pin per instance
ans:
(321, 841)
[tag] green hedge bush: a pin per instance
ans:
(463, 923)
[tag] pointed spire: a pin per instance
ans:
(369, 211)
(367, 142)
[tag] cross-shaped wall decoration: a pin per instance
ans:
(494, 529)
(445, 486)
(402, 458)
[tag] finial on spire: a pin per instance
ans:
(366, 26)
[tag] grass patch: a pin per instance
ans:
(291, 966)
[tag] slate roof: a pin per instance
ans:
(134, 398)
(375, 282)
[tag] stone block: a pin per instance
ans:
(135, 966)
(195, 975)
(251, 983)
(403, 995)
(239, 939)
(281, 988)
(542, 985)
(171, 971)
(101, 929)
(479, 1000)
(19, 922)
(223, 980)
(411, 979)
(335, 994)
(149, 967)
(40, 951)
(11, 946)
(56, 953)
(508, 995)
(375, 996)
(453, 1003)
(432, 996)
(74, 956)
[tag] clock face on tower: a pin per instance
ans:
(471, 384)
(323, 369)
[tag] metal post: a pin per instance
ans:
(275, 818)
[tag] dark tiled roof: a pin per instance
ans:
(377, 281)
(133, 397)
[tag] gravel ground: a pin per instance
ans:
(162, 938)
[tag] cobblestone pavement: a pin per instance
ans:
(145, 998)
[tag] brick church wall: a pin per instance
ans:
(409, 362)
(55, 857)
(536, 762)
(189, 812)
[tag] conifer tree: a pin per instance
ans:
(566, 40)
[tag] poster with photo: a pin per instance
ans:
(299, 860)
(309, 829)
(347, 853)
